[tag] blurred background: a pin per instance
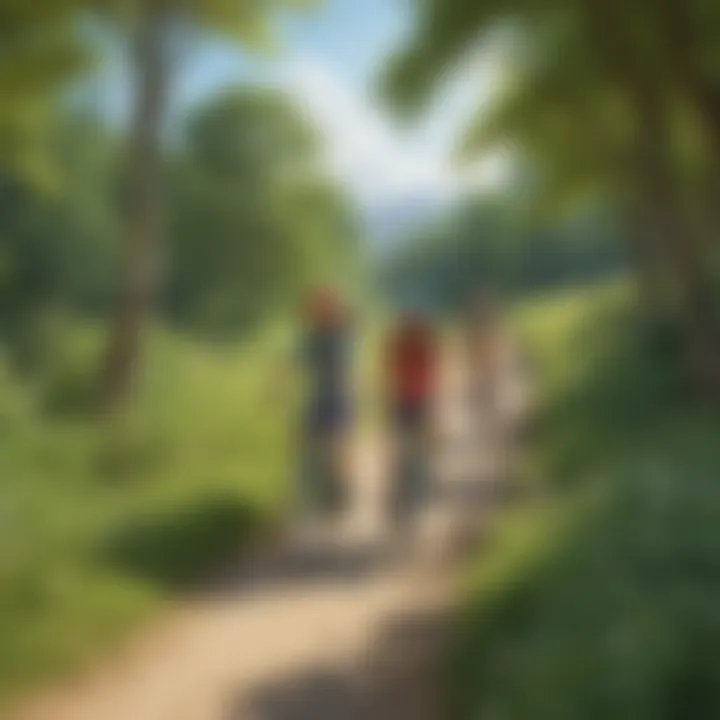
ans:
(175, 175)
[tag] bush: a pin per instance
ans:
(617, 616)
(72, 388)
(99, 522)
(68, 378)
(174, 547)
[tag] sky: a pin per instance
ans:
(329, 63)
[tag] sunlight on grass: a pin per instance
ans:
(100, 522)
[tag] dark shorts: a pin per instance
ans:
(322, 485)
(410, 415)
(328, 416)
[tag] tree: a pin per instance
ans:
(494, 244)
(578, 140)
(630, 60)
(251, 217)
(57, 242)
(154, 23)
(40, 49)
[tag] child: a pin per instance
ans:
(499, 390)
(411, 385)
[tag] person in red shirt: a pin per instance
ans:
(411, 376)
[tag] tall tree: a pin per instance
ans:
(630, 49)
(155, 21)
(251, 215)
(142, 224)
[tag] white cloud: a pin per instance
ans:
(379, 163)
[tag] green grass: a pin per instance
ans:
(602, 599)
(100, 524)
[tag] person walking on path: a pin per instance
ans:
(498, 381)
(325, 358)
(412, 369)
(483, 346)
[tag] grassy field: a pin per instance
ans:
(601, 599)
(99, 524)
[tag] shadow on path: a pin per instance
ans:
(296, 566)
(385, 683)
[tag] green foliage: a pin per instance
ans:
(443, 32)
(41, 51)
(491, 244)
(566, 121)
(608, 100)
(100, 523)
(251, 222)
(175, 548)
(601, 599)
(57, 246)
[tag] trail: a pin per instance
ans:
(340, 630)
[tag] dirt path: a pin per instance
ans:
(341, 630)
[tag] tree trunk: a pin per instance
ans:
(647, 261)
(143, 211)
(676, 236)
(656, 174)
(679, 36)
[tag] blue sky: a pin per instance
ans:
(328, 62)
(350, 36)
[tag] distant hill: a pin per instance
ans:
(389, 222)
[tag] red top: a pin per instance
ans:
(412, 364)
